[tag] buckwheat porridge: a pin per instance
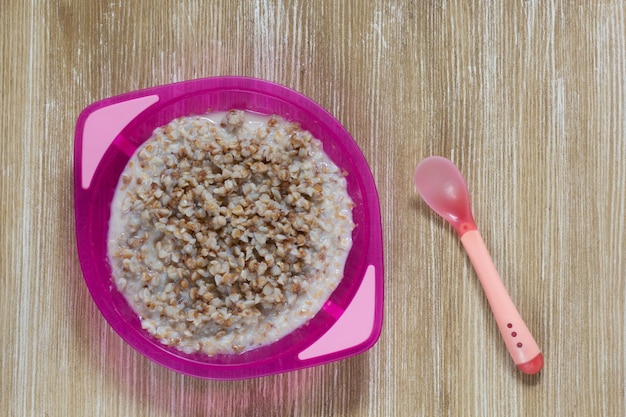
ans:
(228, 231)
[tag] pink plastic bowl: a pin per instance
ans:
(107, 134)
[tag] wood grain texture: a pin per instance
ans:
(528, 98)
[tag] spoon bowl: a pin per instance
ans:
(443, 188)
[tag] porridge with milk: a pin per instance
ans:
(228, 231)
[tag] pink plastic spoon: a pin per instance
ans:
(441, 185)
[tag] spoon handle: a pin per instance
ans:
(518, 339)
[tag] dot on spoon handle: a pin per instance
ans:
(443, 188)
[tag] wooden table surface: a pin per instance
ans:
(528, 98)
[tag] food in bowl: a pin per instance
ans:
(228, 231)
